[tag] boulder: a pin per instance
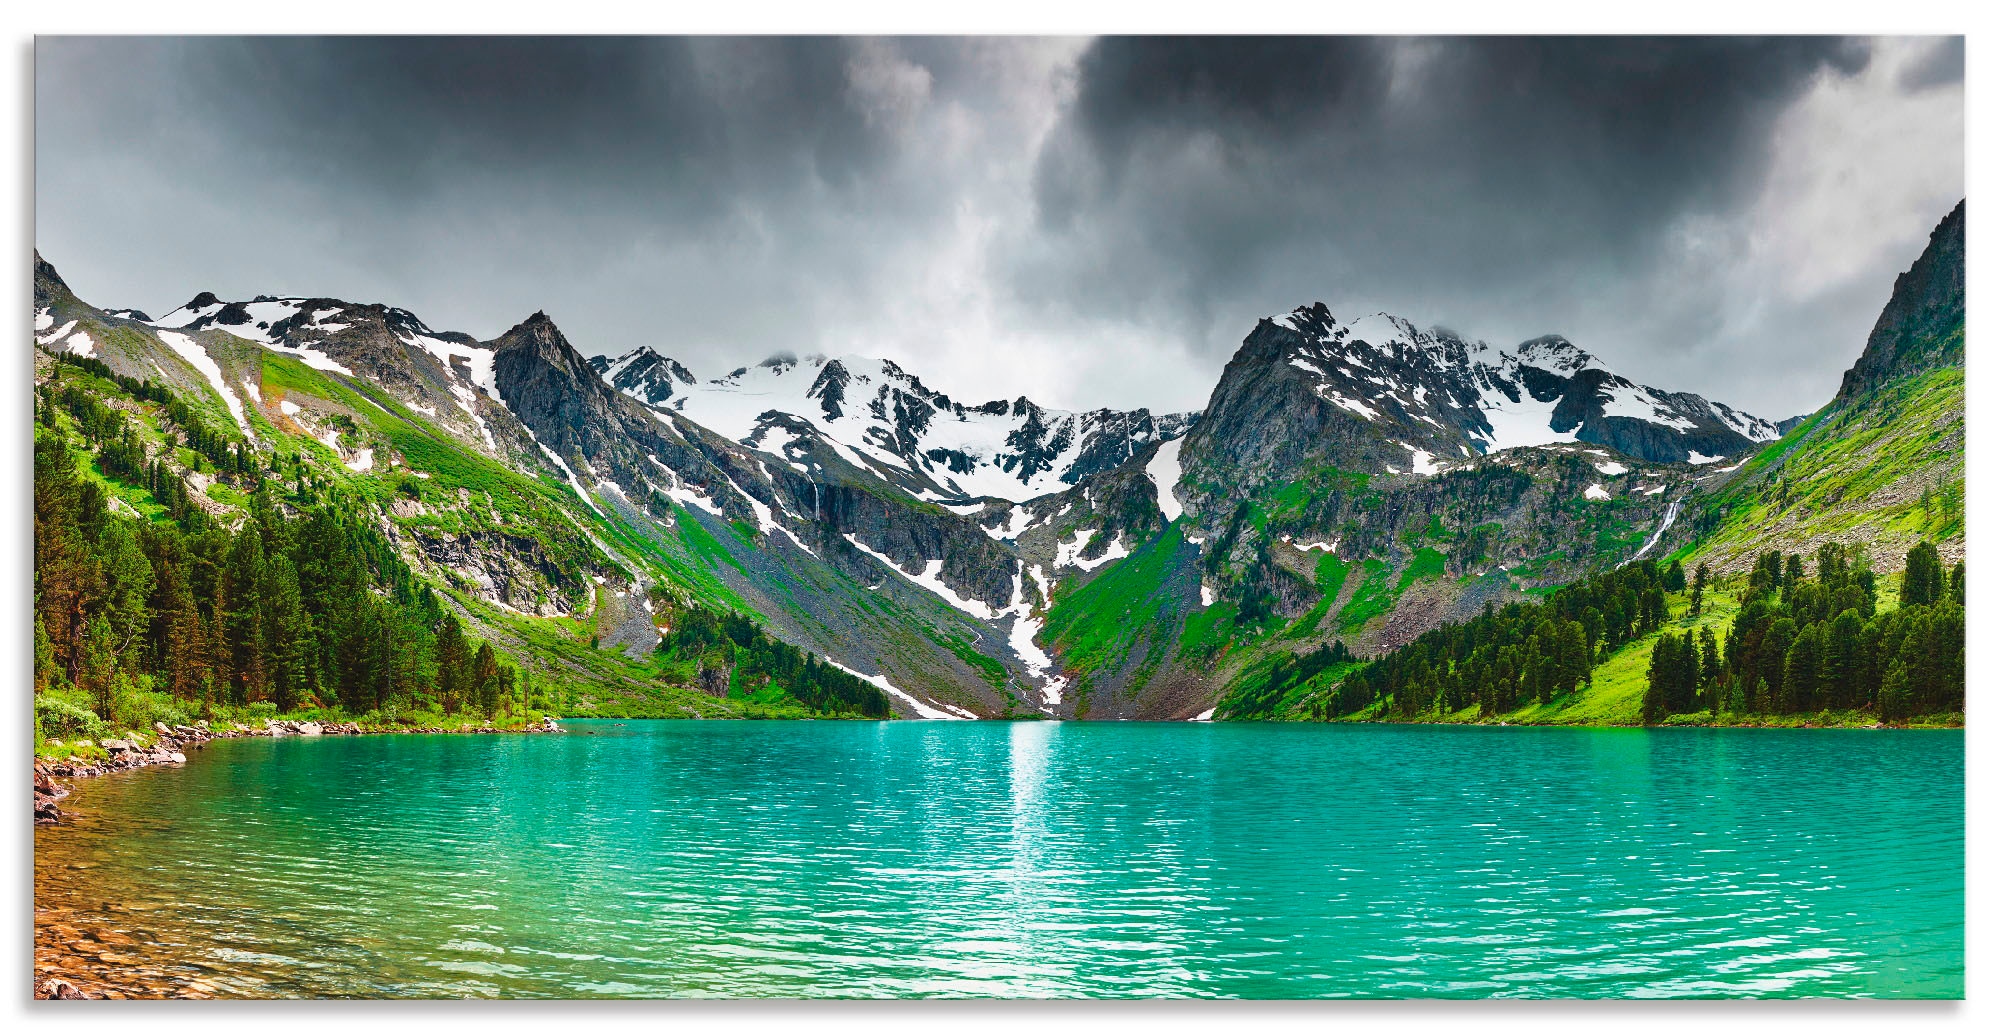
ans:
(161, 728)
(309, 728)
(56, 987)
(177, 758)
(117, 746)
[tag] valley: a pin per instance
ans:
(826, 537)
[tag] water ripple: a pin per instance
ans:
(1027, 859)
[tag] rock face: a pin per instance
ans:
(1379, 394)
(590, 431)
(644, 374)
(1914, 332)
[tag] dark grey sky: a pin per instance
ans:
(1088, 222)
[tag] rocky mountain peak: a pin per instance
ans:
(1915, 332)
(643, 374)
(49, 285)
(1379, 394)
(1555, 353)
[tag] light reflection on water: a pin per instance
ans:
(1023, 859)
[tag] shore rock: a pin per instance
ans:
(58, 988)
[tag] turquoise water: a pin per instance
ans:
(1026, 859)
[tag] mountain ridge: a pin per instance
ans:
(1351, 481)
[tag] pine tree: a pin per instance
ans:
(1711, 669)
(242, 612)
(289, 644)
(1922, 575)
(1843, 665)
(1653, 707)
(1777, 644)
(454, 662)
(1895, 702)
(1802, 669)
(1686, 673)
(486, 679)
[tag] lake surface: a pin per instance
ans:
(1024, 859)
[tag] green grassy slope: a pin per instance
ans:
(1884, 472)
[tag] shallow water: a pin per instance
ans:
(1022, 859)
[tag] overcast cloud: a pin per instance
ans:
(1086, 222)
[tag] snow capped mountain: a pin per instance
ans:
(883, 419)
(434, 372)
(643, 374)
(1466, 397)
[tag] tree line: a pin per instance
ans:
(304, 604)
(1800, 644)
(730, 649)
(1509, 656)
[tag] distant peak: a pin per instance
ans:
(1555, 352)
(203, 300)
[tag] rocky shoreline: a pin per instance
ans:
(172, 744)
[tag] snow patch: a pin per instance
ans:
(1697, 459)
(187, 348)
(1017, 522)
(930, 580)
(923, 710)
(1596, 492)
(1637, 403)
(364, 459)
(1069, 554)
(288, 407)
(1205, 716)
(60, 333)
(1612, 468)
(575, 485)
(316, 360)
(1022, 638)
(1041, 583)
(1165, 470)
(1517, 424)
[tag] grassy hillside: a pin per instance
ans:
(1617, 686)
(1884, 473)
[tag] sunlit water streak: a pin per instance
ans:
(1024, 859)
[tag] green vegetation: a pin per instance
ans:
(731, 653)
(1371, 598)
(1098, 624)
(1800, 646)
(1888, 468)
(136, 619)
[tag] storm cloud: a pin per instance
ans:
(1087, 222)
